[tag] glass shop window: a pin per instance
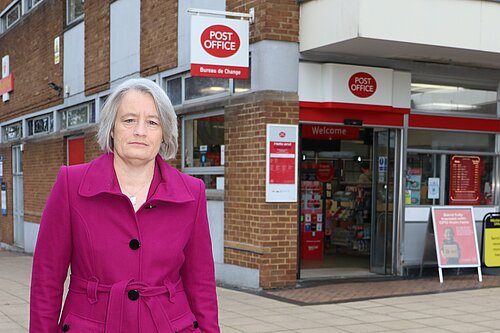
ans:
(434, 98)
(203, 144)
(197, 87)
(449, 168)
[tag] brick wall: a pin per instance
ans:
(274, 19)
(92, 149)
(42, 160)
(257, 234)
(30, 46)
(158, 36)
(96, 46)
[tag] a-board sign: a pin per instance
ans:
(455, 238)
(491, 239)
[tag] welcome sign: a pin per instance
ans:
(219, 47)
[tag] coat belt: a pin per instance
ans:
(117, 295)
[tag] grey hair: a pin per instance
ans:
(168, 118)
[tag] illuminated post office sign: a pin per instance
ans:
(219, 47)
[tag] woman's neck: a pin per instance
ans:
(133, 174)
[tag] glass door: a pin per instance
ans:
(384, 142)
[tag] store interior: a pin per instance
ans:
(335, 201)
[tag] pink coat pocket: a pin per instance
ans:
(185, 324)
(76, 324)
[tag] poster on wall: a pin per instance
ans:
(413, 186)
(491, 239)
(281, 163)
(465, 180)
(455, 238)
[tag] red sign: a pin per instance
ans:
(7, 84)
(465, 180)
(455, 236)
(219, 47)
(362, 85)
(322, 132)
(282, 163)
(325, 172)
(220, 41)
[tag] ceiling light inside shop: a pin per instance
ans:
(445, 106)
(423, 87)
(213, 89)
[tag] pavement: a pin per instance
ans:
(307, 310)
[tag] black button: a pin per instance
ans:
(195, 324)
(150, 206)
(65, 328)
(134, 244)
(133, 295)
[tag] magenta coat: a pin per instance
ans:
(149, 271)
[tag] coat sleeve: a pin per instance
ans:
(51, 259)
(198, 273)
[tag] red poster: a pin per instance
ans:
(465, 180)
(282, 163)
(456, 242)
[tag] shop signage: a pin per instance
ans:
(323, 132)
(465, 180)
(491, 239)
(362, 85)
(219, 47)
(281, 163)
(455, 237)
(7, 80)
(7, 84)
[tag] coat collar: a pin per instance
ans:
(100, 177)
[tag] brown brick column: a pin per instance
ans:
(158, 36)
(96, 46)
(257, 234)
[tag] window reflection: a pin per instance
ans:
(442, 98)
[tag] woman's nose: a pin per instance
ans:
(140, 128)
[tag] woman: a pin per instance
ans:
(133, 229)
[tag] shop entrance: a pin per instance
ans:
(346, 201)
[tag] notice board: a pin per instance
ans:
(455, 238)
(465, 181)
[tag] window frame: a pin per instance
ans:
(76, 19)
(4, 134)
(5, 13)
(451, 86)
(66, 127)
(50, 117)
(27, 3)
(494, 153)
(210, 170)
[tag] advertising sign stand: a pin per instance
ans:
(455, 238)
(490, 243)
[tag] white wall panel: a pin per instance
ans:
(74, 59)
(125, 33)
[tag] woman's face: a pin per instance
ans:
(137, 134)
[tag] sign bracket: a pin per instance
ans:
(250, 15)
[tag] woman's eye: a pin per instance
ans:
(152, 123)
(129, 121)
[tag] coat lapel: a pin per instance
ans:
(100, 177)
